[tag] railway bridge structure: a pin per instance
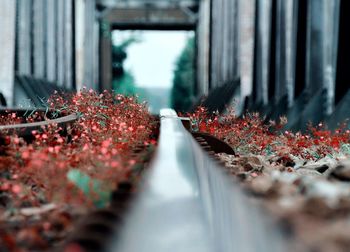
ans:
(278, 57)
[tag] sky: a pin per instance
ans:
(152, 61)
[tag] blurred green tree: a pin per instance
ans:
(123, 80)
(182, 94)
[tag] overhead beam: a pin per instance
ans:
(153, 3)
(153, 26)
(152, 18)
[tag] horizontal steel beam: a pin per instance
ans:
(152, 18)
(154, 3)
(154, 26)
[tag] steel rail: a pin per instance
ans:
(64, 119)
(188, 204)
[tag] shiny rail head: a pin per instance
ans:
(166, 112)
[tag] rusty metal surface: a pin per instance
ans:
(217, 145)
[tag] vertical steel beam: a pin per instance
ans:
(321, 47)
(261, 51)
(292, 23)
(89, 44)
(280, 59)
(51, 42)
(216, 43)
(24, 37)
(343, 59)
(38, 39)
(68, 46)
(60, 5)
(246, 51)
(86, 44)
(203, 47)
(224, 35)
(105, 44)
(79, 42)
(234, 40)
(272, 57)
(7, 48)
(330, 29)
(96, 58)
(285, 48)
(300, 61)
(213, 48)
(224, 42)
(314, 80)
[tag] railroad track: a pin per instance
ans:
(185, 203)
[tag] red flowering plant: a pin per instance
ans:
(251, 134)
(301, 179)
(78, 165)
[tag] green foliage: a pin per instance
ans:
(125, 84)
(182, 94)
(123, 80)
(91, 188)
